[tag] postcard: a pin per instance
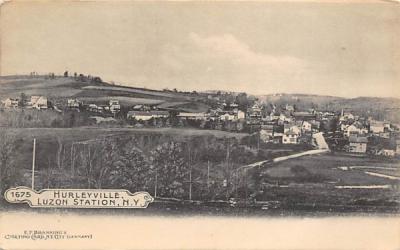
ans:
(200, 125)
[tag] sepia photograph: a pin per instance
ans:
(278, 112)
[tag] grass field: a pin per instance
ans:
(317, 182)
(123, 100)
(139, 91)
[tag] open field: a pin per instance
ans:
(139, 91)
(328, 166)
(123, 100)
(327, 181)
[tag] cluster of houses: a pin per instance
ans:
(35, 102)
(145, 113)
(288, 126)
(112, 107)
(359, 131)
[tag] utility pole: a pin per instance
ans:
(190, 183)
(190, 176)
(228, 170)
(72, 155)
(155, 186)
(33, 163)
(208, 175)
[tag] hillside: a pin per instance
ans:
(60, 88)
(377, 107)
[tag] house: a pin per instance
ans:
(92, 107)
(38, 102)
(358, 144)
(386, 152)
(304, 116)
(290, 137)
(352, 130)
(346, 116)
(147, 115)
(239, 115)
(100, 109)
(267, 133)
(10, 103)
(376, 127)
(192, 115)
(283, 118)
(291, 127)
(315, 125)
(289, 108)
(306, 126)
(114, 106)
(73, 103)
(398, 147)
(255, 111)
(141, 107)
(227, 117)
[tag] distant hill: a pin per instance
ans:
(376, 107)
(61, 88)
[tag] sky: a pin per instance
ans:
(336, 48)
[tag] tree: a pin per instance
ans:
(22, 100)
(132, 170)
(170, 169)
(59, 152)
(7, 170)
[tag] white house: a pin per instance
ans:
(92, 107)
(147, 115)
(73, 103)
(386, 152)
(114, 106)
(227, 117)
(240, 115)
(376, 127)
(290, 137)
(292, 128)
(192, 115)
(306, 126)
(346, 116)
(10, 103)
(38, 102)
(358, 144)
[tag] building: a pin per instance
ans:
(290, 137)
(292, 128)
(346, 116)
(73, 103)
(358, 144)
(147, 115)
(376, 127)
(304, 116)
(10, 103)
(386, 152)
(192, 115)
(92, 107)
(267, 133)
(240, 115)
(114, 106)
(38, 102)
(352, 130)
(227, 117)
(255, 112)
(306, 126)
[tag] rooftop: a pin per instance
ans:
(357, 139)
